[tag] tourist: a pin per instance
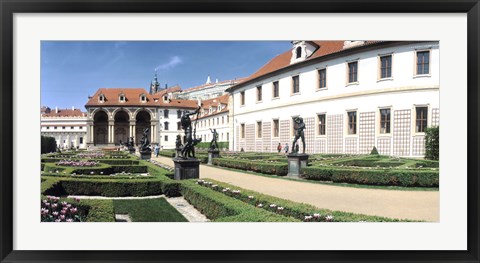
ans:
(156, 150)
(279, 148)
(286, 148)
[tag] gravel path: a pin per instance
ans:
(414, 205)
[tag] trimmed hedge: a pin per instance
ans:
(432, 143)
(167, 153)
(259, 167)
(293, 209)
(392, 177)
(222, 208)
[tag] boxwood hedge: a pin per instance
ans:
(386, 177)
(259, 167)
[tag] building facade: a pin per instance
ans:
(214, 115)
(352, 96)
(208, 90)
(67, 126)
(115, 114)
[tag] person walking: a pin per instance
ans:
(279, 148)
(286, 148)
(156, 150)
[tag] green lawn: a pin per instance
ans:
(148, 210)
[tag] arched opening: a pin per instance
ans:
(142, 122)
(100, 124)
(121, 127)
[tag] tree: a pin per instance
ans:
(374, 151)
(432, 143)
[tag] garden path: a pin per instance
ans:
(402, 204)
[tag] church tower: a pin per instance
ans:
(154, 85)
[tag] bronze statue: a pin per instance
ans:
(190, 140)
(178, 142)
(299, 126)
(145, 143)
(213, 143)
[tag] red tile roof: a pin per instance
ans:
(65, 113)
(283, 60)
(213, 102)
(132, 98)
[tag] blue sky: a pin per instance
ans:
(73, 70)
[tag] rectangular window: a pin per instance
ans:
(55, 127)
(259, 93)
(386, 67)
(322, 78)
(81, 140)
(321, 124)
(179, 114)
(48, 128)
(422, 118)
(166, 138)
(275, 128)
(223, 120)
(165, 125)
(276, 92)
(242, 130)
(63, 127)
(423, 62)
(242, 98)
(352, 122)
(228, 136)
(179, 126)
(165, 114)
(259, 129)
(295, 84)
(384, 121)
(71, 128)
(81, 127)
(353, 72)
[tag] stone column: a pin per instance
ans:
(111, 134)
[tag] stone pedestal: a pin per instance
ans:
(213, 154)
(186, 168)
(146, 155)
(296, 161)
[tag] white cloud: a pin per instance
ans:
(174, 61)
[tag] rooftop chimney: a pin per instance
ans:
(73, 107)
(56, 109)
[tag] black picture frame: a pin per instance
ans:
(9, 7)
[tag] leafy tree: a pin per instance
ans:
(432, 143)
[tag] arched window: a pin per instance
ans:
(101, 98)
(121, 98)
(299, 52)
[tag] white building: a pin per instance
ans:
(208, 90)
(214, 115)
(67, 126)
(352, 95)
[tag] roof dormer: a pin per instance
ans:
(121, 97)
(101, 98)
(143, 98)
(210, 110)
(302, 50)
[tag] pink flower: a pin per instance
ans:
(69, 220)
(64, 203)
(57, 220)
(62, 217)
(316, 215)
(55, 213)
(73, 210)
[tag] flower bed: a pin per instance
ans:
(71, 163)
(54, 211)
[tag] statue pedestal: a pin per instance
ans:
(146, 155)
(186, 168)
(213, 154)
(296, 161)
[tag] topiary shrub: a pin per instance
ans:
(374, 151)
(432, 143)
(48, 144)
